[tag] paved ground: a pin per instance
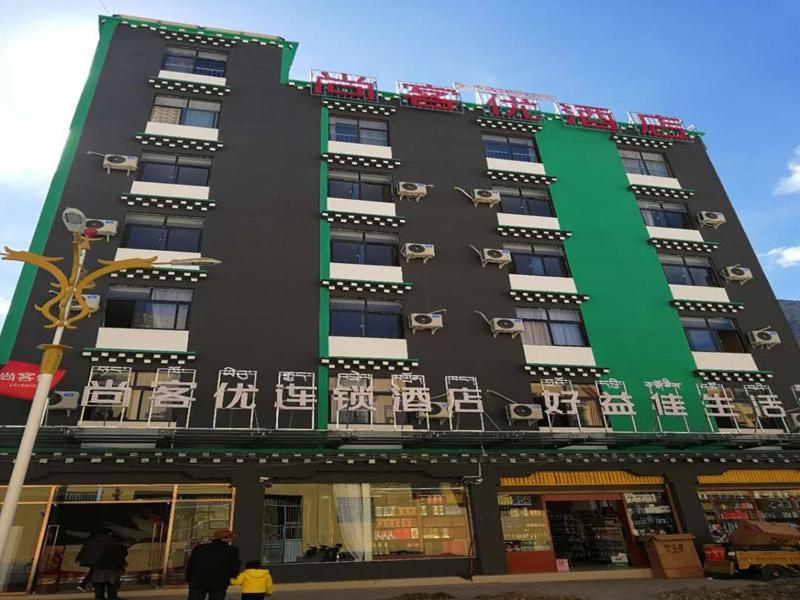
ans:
(633, 589)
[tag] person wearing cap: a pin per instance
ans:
(211, 567)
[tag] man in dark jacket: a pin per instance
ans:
(107, 572)
(211, 566)
(91, 552)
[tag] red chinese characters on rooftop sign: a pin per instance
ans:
(660, 126)
(344, 85)
(430, 97)
(509, 104)
(593, 117)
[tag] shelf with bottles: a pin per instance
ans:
(650, 513)
(396, 533)
(782, 506)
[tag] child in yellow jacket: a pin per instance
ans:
(256, 581)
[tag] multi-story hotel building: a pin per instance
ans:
(446, 337)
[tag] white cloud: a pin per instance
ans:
(791, 183)
(5, 304)
(788, 256)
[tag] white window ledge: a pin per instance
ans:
(191, 77)
(559, 355)
(699, 293)
(675, 233)
(124, 338)
(517, 166)
(529, 221)
(724, 361)
(363, 207)
(161, 255)
(359, 149)
(170, 190)
(366, 272)
(364, 347)
(653, 180)
(537, 283)
(182, 131)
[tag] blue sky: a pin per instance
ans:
(730, 68)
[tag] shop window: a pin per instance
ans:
(538, 259)
(364, 247)
(552, 327)
(524, 523)
(366, 318)
(712, 334)
(645, 163)
(359, 131)
(360, 186)
(175, 233)
(665, 214)
(564, 413)
(200, 62)
(510, 148)
(726, 509)
(147, 308)
(688, 270)
(526, 201)
(183, 111)
(348, 522)
(169, 168)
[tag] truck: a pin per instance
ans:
(769, 549)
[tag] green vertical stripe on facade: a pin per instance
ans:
(22, 293)
(324, 273)
(632, 328)
(287, 57)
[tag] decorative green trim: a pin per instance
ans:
(22, 293)
(324, 273)
(157, 25)
(399, 283)
(287, 58)
(322, 397)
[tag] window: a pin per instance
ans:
(200, 62)
(538, 259)
(665, 214)
(349, 522)
(359, 131)
(360, 186)
(688, 270)
(366, 318)
(182, 111)
(168, 168)
(363, 248)
(517, 201)
(147, 308)
(509, 148)
(645, 163)
(163, 232)
(552, 327)
(712, 335)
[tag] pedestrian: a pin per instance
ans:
(211, 567)
(91, 552)
(255, 580)
(108, 570)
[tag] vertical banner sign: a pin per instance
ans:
(344, 85)
(18, 379)
(667, 401)
(236, 391)
(353, 394)
(660, 126)
(592, 117)
(107, 394)
(429, 97)
(296, 393)
(615, 401)
(411, 396)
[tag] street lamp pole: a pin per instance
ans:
(68, 288)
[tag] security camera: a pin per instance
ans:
(74, 220)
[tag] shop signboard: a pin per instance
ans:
(18, 379)
(173, 389)
(592, 117)
(296, 393)
(667, 402)
(615, 401)
(411, 396)
(335, 84)
(108, 392)
(236, 392)
(353, 394)
(660, 126)
(464, 397)
(429, 96)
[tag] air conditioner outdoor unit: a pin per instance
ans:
(120, 162)
(493, 256)
(737, 273)
(432, 322)
(93, 300)
(412, 191)
(489, 197)
(63, 400)
(104, 227)
(512, 327)
(438, 412)
(414, 250)
(711, 219)
(764, 338)
(524, 412)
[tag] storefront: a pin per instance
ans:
(745, 494)
(571, 520)
(160, 524)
